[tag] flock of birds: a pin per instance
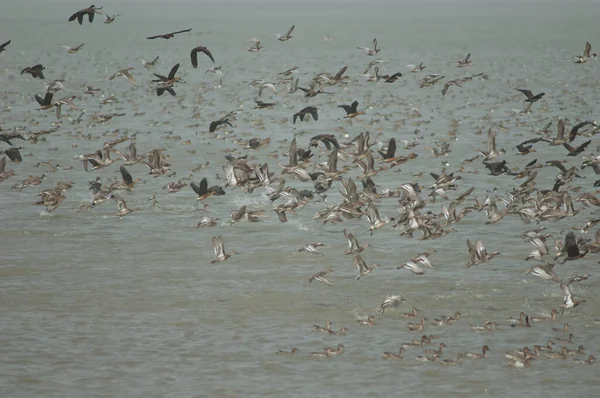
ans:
(415, 217)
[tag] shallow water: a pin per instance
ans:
(95, 305)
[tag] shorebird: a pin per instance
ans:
(568, 301)
(108, 19)
(287, 35)
(255, 47)
(150, 64)
(217, 71)
(73, 50)
(194, 55)
(450, 83)
(321, 277)
(479, 253)
(363, 268)
(168, 35)
(582, 59)
(126, 74)
(389, 302)
(219, 249)
(466, 61)
(311, 248)
(353, 246)
(371, 51)
(90, 12)
(34, 71)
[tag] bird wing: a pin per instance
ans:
(588, 48)
(173, 72)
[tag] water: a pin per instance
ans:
(96, 305)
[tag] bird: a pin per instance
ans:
(287, 35)
(73, 50)
(351, 111)
(126, 74)
(34, 71)
(448, 84)
(171, 79)
(568, 301)
(353, 245)
(578, 150)
(219, 249)
(310, 110)
(168, 35)
(194, 55)
(363, 268)
(150, 64)
(201, 190)
(255, 47)
(466, 61)
(90, 12)
(3, 45)
(371, 51)
(108, 19)
(224, 120)
(321, 277)
(530, 97)
(582, 59)
(392, 78)
(13, 154)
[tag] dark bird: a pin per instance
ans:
(46, 101)
(3, 45)
(168, 35)
(262, 105)
(524, 149)
(351, 111)
(571, 248)
(224, 120)
(160, 90)
(391, 150)
(578, 150)
(530, 97)
(171, 79)
(576, 128)
(497, 168)
(312, 110)
(328, 139)
(90, 12)
(202, 189)
(194, 55)
(6, 137)
(35, 71)
(392, 78)
(13, 154)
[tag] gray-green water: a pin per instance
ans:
(94, 305)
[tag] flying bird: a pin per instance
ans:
(90, 12)
(168, 35)
(194, 55)
(311, 110)
(287, 35)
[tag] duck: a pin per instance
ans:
(390, 355)
(473, 355)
